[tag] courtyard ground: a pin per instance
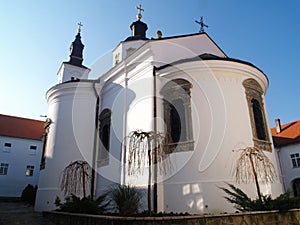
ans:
(19, 213)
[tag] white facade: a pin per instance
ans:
(287, 145)
(217, 119)
(290, 172)
(22, 157)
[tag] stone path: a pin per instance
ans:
(18, 213)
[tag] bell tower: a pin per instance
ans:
(73, 70)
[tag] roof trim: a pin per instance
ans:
(207, 57)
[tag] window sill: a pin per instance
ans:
(263, 145)
(185, 146)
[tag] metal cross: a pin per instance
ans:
(140, 9)
(202, 24)
(79, 26)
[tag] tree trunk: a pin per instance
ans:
(255, 177)
(83, 181)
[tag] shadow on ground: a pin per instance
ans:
(19, 213)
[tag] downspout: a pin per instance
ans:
(123, 145)
(93, 178)
(155, 141)
(280, 169)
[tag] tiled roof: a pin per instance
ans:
(290, 134)
(18, 127)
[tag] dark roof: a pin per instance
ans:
(290, 134)
(207, 56)
(18, 127)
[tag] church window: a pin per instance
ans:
(177, 115)
(29, 171)
(259, 125)
(295, 160)
(3, 168)
(104, 136)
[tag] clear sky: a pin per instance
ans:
(36, 35)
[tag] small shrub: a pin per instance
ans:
(243, 203)
(85, 205)
(126, 199)
(28, 194)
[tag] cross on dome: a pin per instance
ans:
(140, 10)
(79, 26)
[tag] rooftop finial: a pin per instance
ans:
(79, 27)
(202, 25)
(140, 10)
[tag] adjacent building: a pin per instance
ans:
(286, 138)
(21, 146)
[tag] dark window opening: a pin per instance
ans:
(296, 187)
(104, 135)
(259, 120)
(177, 121)
(7, 145)
(33, 147)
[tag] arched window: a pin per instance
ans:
(260, 132)
(104, 136)
(177, 115)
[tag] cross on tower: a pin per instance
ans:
(79, 26)
(140, 10)
(202, 24)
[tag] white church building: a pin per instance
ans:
(206, 104)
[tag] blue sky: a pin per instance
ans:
(36, 35)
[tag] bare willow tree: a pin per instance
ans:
(76, 178)
(254, 166)
(145, 149)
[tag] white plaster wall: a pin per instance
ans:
(19, 156)
(123, 47)
(71, 136)
(221, 125)
(289, 174)
(112, 97)
(68, 72)
(173, 49)
(129, 95)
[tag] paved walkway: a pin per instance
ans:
(19, 213)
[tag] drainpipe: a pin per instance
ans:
(155, 147)
(93, 178)
(123, 150)
(280, 169)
